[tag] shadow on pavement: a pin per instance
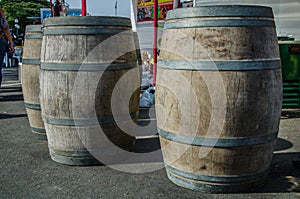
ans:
(11, 89)
(8, 116)
(7, 98)
(147, 122)
(147, 112)
(284, 176)
(143, 152)
(146, 145)
(282, 144)
(290, 114)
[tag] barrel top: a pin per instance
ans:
(88, 21)
(221, 11)
(33, 28)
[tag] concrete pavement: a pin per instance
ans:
(27, 171)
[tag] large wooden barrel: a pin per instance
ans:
(219, 96)
(31, 79)
(83, 58)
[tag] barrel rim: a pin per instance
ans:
(33, 28)
(39, 133)
(221, 11)
(32, 106)
(87, 21)
(69, 30)
(216, 188)
(34, 36)
(227, 22)
(89, 159)
(38, 130)
(217, 178)
(31, 61)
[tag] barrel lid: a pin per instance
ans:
(88, 21)
(33, 28)
(221, 11)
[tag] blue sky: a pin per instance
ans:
(103, 7)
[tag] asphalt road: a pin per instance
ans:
(27, 171)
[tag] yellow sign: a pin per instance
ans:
(151, 2)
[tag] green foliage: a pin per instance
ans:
(21, 9)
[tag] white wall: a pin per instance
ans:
(286, 12)
(145, 30)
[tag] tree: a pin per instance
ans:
(21, 9)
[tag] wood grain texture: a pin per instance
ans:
(251, 108)
(220, 43)
(248, 104)
(30, 79)
(87, 95)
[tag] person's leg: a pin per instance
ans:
(2, 55)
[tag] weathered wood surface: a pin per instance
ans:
(74, 100)
(30, 79)
(224, 107)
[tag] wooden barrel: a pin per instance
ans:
(219, 90)
(30, 79)
(76, 102)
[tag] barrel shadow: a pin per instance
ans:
(147, 112)
(144, 151)
(290, 114)
(9, 116)
(284, 176)
(146, 148)
(11, 89)
(282, 144)
(12, 98)
(10, 77)
(147, 120)
(147, 145)
(151, 148)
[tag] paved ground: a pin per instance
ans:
(26, 170)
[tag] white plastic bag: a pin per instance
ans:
(148, 98)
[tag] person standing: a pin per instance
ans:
(57, 8)
(4, 31)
